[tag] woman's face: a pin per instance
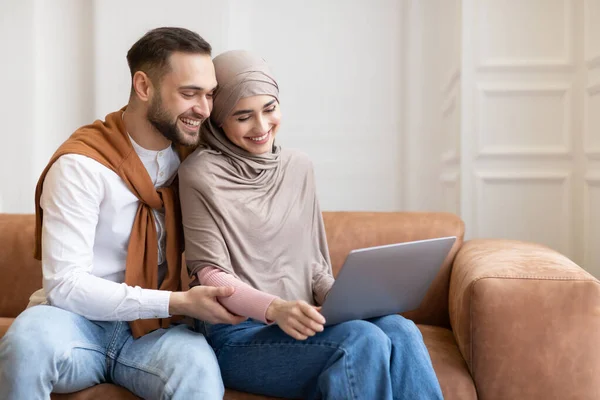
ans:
(253, 123)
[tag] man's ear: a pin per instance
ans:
(142, 86)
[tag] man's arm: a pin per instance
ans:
(72, 194)
(71, 197)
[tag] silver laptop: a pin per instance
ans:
(384, 280)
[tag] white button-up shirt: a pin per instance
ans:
(88, 217)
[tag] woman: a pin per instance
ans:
(252, 221)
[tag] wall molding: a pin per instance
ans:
(592, 60)
(558, 177)
(592, 180)
(449, 105)
(450, 181)
(564, 62)
(515, 90)
(450, 157)
(592, 151)
(450, 178)
(452, 80)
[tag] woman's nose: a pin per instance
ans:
(262, 124)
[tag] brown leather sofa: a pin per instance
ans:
(503, 319)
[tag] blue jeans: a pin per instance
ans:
(382, 358)
(48, 349)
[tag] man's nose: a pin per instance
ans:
(202, 108)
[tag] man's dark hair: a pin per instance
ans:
(150, 54)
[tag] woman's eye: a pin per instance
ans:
(188, 95)
(242, 119)
(270, 110)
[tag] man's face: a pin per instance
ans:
(183, 99)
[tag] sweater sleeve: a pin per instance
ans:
(323, 279)
(245, 301)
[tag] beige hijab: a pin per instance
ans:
(254, 216)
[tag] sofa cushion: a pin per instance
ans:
(108, 391)
(449, 365)
(103, 391)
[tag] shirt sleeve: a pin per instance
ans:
(72, 193)
(245, 301)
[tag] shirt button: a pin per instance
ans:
(160, 153)
(161, 174)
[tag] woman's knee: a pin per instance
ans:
(398, 326)
(362, 333)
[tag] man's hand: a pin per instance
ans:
(201, 302)
(296, 318)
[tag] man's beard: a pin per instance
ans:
(163, 123)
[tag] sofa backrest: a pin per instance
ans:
(352, 230)
(22, 274)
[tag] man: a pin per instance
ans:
(109, 236)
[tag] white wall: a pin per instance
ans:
(432, 106)
(46, 79)
(529, 128)
(590, 141)
(339, 65)
(512, 129)
(518, 122)
(17, 110)
(485, 108)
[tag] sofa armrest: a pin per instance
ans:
(526, 320)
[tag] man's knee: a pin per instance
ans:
(196, 363)
(203, 362)
(36, 335)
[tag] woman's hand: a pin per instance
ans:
(296, 318)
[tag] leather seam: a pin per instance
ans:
(471, 359)
(533, 277)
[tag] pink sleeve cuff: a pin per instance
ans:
(245, 301)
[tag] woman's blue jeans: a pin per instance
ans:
(378, 359)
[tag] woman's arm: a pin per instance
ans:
(322, 273)
(245, 301)
(296, 318)
(322, 283)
